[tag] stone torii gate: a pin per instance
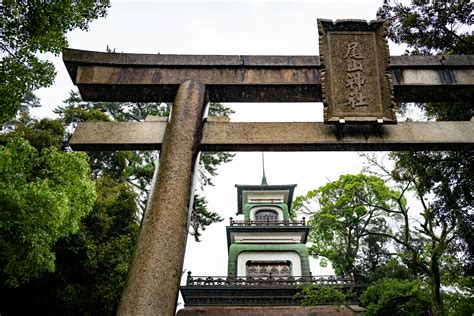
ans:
(355, 78)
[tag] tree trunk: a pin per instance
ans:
(435, 289)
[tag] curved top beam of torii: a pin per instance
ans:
(240, 78)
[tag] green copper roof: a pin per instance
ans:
(263, 187)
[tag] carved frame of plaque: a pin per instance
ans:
(356, 82)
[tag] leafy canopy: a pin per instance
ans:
(439, 27)
(92, 264)
(43, 196)
(312, 295)
(342, 212)
(396, 297)
(33, 27)
(430, 27)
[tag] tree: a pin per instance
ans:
(439, 27)
(87, 266)
(426, 244)
(29, 28)
(396, 297)
(91, 264)
(430, 27)
(201, 217)
(448, 178)
(311, 295)
(341, 214)
(43, 196)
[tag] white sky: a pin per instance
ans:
(228, 27)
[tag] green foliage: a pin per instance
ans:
(448, 176)
(218, 109)
(40, 134)
(312, 295)
(43, 196)
(439, 27)
(454, 111)
(76, 110)
(459, 304)
(342, 212)
(19, 76)
(201, 217)
(430, 245)
(391, 267)
(209, 163)
(396, 297)
(32, 27)
(351, 230)
(433, 27)
(430, 26)
(92, 264)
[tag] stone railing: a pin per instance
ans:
(295, 281)
(301, 222)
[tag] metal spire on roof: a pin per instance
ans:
(264, 179)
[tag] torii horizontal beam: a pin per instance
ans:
(234, 78)
(281, 136)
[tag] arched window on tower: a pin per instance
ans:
(266, 215)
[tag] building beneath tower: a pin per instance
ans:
(268, 262)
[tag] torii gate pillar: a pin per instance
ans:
(155, 272)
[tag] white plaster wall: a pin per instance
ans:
(266, 196)
(260, 196)
(267, 256)
(276, 209)
(279, 238)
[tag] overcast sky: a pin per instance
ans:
(228, 27)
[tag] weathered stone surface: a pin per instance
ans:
(431, 61)
(73, 56)
(356, 82)
(155, 272)
(118, 135)
(291, 136)
(159, 76)
(280, 61)
(154, 77)
(156, 118)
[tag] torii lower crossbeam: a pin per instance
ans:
(282, 136)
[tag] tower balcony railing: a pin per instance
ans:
(271, 281)
(301, 222)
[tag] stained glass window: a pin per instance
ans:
(266, 215)
(259, 269)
